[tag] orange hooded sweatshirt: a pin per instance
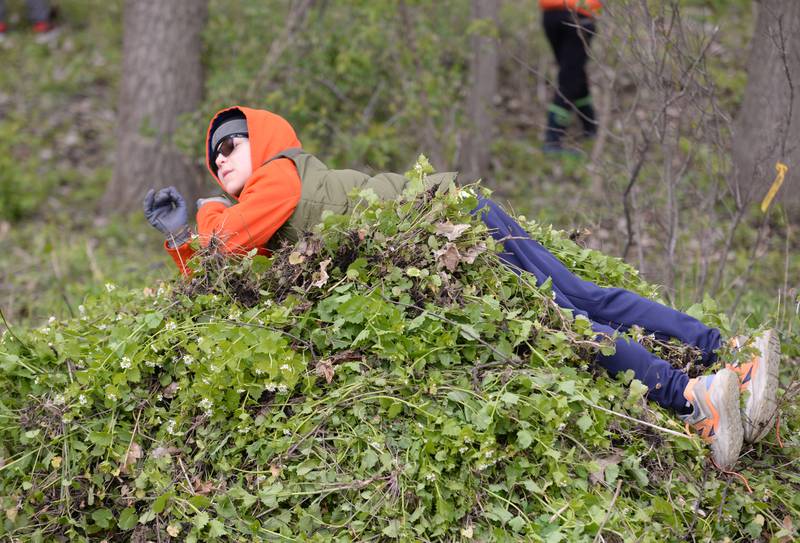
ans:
(586, 7)
(268, 198)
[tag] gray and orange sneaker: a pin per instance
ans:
(758, 384)
(715, 415)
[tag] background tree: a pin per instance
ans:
(162, 78)
(484, 63)
(767, 128)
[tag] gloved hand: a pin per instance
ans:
(203, 201)
(165, 210)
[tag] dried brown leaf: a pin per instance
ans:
(134, 454)
(448, 256)
(322, 276)
(473, 252)
(325, 369)
(451, 231)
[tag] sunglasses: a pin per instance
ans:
(226, 146)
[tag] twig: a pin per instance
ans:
(608, 512)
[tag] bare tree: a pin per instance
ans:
(162, 78)
(484, 64)
(767, 128)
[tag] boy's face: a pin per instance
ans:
(236, 168)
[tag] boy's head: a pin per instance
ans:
(241, 140)
(229, 149)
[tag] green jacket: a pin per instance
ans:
(326, 189)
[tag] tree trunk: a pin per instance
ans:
(767, 128)
(162, 78)
(475, 152)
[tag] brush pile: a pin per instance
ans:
(387, 378)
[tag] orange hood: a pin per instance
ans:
(269, 134)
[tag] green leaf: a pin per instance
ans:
(585, 422)
(161, 502)
(200, 520)
(216, 528)
(103, 517)
(127, 519)
(392, 529)
(524, 439)
(369, 459)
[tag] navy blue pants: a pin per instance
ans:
(610, 310)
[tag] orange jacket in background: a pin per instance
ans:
(586, 7)
(269, 196)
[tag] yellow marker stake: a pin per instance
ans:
(773, 190)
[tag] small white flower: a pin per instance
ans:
(206, 381)
(462, 450)
(150, 363)
(112, 396)
(159, 397)
(431, 476)
(214, 368)
(58, 399)
(46, 330)
(187, 359)
(282, 389)
(375, 445)
(51, 320)
(269, 386)
(110, 287)
(125, 363)
(206, 404)
(488, 454)
(240, 390)
(287, 432)
(259, 371)
(286, 367)
(81, 309)
(467, 439)
(171, 427)
(36, 380)
(82, 400)
(170, 325)
(153, 347)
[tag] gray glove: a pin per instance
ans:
(165, 210)
(203, 201)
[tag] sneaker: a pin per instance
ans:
(758, 382)
(715, 415)
(3, 27)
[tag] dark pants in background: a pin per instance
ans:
(569, 34)
(609, 309)
(38, 11)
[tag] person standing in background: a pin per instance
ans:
(569, 26)
(39, 14)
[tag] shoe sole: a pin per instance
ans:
(727, 443)
(762, 405)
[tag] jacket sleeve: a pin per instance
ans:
(181, 255)
(266, 203)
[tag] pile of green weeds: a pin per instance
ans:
(386, 378)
